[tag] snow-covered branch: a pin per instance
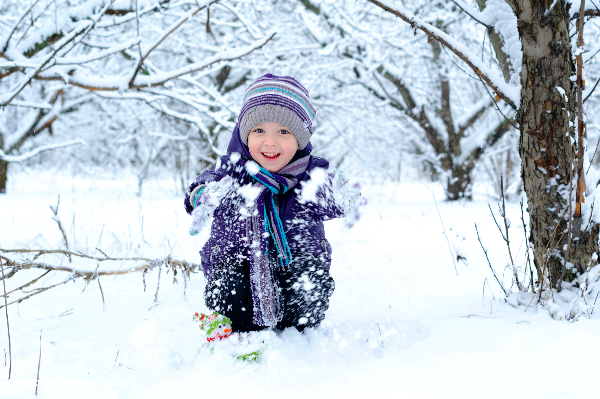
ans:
(183, 19)
(508, 93)
(6, 41)
(32, 153)
(118, 83)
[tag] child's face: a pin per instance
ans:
(272, 145)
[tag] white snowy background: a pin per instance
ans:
(417, 311)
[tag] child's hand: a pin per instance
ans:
(347, 196)
(210, 199)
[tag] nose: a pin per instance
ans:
(270, 140)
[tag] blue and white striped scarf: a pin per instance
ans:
(265, 224)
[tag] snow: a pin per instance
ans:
(318, 177)
(252, 167)
(399, 319)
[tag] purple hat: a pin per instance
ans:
(280, 99)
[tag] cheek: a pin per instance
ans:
(290, 145)
(253, 146)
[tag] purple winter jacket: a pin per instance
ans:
(303, 223)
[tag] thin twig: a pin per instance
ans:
(12, 272)
(38, 291)
(7, 323)
(60, 227)
(527, 246)
(593, 156)
(463, 8)
(510, 121)
(442, 222)
(68, 253)
(37, 382)
(591, 92)
(485, 280)
(489, 263)
(25, 285)
(593, 307)
(102, 293)
(157, 286)
(519, 285)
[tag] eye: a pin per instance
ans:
(257, 130)
(283, 131)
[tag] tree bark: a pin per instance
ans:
(546, 119)
(3, 174)
(459, 182)
(3, 168)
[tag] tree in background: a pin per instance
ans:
(446, 116)
(55, 57)
(549, 94)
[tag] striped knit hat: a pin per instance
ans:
(280, 99)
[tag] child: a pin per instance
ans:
(267, 259)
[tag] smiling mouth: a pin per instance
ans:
(270, 155)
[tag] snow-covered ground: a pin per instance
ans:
(401, 322)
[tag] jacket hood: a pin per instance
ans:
(236, 145)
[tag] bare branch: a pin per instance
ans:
(489, 263)
(25, 285)
(587, 13)
(30, 104)
(471, 12)
(7, 323)
(592, 91)
(37, 381)
(54, 210)
(88, 275)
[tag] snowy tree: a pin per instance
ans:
(545, 86)
(58, 56)
(447, 116)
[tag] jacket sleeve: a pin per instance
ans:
(215, 174)
(327, 206)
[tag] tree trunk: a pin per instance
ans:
(3, 175)
(547, 160)
(3, 168)
(459, 182)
